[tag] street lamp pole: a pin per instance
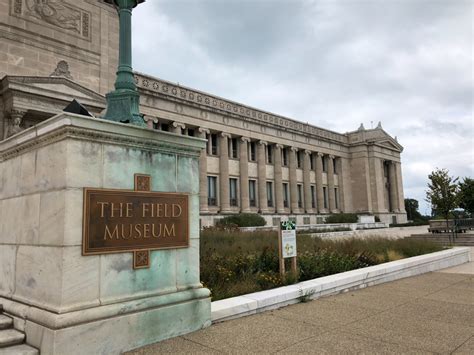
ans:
(123, 104)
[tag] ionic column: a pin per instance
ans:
(203, 203)
(244, 174)
(224, 172)
(392, 184)
(16, 117)
(293, 187)
(331, 194)
(150, 120)
(307, 181)
(262, 176)
(340, 181)
(177, 127)
(319, 182)
(278, 180)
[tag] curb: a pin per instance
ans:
(257, 302)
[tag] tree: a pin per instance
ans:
(466, 195)
(411, 206)
(442, 192)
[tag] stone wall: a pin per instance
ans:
(83, 34)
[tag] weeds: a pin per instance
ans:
(235, 263)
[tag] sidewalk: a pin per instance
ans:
(431, 313)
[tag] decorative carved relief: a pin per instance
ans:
(57, 13)
(16, 118)
(62, 69)
(17, 7)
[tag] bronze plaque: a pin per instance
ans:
(124, 221)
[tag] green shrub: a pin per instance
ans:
(341, 218)
(242, 220)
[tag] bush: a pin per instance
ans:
(341, 218)
(242, 220)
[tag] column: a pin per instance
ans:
(331, 194)
(244, 174)
(177, 127)
(293, 187)
(224, 172)
(401, 197)
(340, 180)
(16, 118)
(262, 176)
(392, 184)
(319, 182)
(150, 120)
(278, 180)
(203, 206)
(307, 181)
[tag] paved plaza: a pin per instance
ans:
(431, 313)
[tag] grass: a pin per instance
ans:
(235, 263)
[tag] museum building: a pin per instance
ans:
(52, 52)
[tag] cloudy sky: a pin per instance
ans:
(334, 64)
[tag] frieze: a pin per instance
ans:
(247, 113)
(56, 13)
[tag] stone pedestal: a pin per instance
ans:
(72, 304)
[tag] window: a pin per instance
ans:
(252, 194)
(285, 195)
(233, 148)
(212, 191)
(233, 192)
(165, 127)
(299, 159)
(284, 156)
(269, 154)
(269, 194)
(252, 151)
(306, 220)
(325, 164)
(336, 196)
(325, 194)
(334, 162)
(300, 195)
(213, 147)
(311, 161)
(190, 132)
(313, 196)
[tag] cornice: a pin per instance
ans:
(36, 137)
(159, 87)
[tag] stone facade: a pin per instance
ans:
(255, 161)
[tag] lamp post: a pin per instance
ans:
(123, 104)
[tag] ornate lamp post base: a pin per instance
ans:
(123, 106)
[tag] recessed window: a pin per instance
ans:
(284, 156)
(269, 194)
(313, 196)
(336, 196)
(334, 164)
(252, 194)
(325, 164)
(269, 154)
(286, 201)
(213, 146)
(233, 148)
(311, 161)
(212, 191)
(252, 151)
(233, 192)
(300, 195)
(325, 194)
(299, 159)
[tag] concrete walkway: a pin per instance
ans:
(431, 313)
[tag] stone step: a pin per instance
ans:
(5, 322)
(22, 349)
(10, 337)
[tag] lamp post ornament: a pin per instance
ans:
(123, 104)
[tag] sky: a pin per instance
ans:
(332, 63)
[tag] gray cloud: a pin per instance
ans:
(407, 63)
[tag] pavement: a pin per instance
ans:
(428, 314)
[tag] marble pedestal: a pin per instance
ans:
(67, 303)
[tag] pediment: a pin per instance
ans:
(55, 87)
(390, 144)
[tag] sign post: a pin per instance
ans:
(287, 245)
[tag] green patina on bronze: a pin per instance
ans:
(123, 104)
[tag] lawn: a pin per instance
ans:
(236, 263)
